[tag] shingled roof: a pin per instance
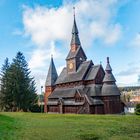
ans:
(63, 92)
(78, 52)
(92, 73)
(109, 77)
(52, 74)
(66, 92)
(94, 90)
(75, 41)
(108, 89)
(79, 75)
(109, 86)
(75, 38)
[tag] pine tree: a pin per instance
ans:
(23, 85)
(5, 96)
(19, 87)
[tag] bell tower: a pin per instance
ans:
(76, 54)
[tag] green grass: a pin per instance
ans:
(33, 126)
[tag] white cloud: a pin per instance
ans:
(113, 34)
(46, 25)
(129, 80)
(129, 76)
(39, 56)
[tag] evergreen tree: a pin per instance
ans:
(5, 96)
(20, 87)
(23, 85)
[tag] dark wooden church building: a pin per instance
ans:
(82, 86)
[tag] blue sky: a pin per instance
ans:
(39, 28)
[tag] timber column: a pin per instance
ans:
(50, 82)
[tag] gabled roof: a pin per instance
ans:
(110, 89)
(79, 75)
(78, 53)
(52, 74)
(94, 90)
(63, 92)
(92, 73)
(66, 92)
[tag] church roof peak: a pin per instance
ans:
(52, 74)
(108, 67)
(108, 74)
(75, 38)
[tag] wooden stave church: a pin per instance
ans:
(81, 87)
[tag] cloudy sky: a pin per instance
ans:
(39, 28)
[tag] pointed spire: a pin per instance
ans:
(108, 67)
(108, 74)
(75, 38)
(109, 87)
(52, 74)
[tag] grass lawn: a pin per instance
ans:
(33, 126)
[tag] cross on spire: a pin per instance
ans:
(75, 38)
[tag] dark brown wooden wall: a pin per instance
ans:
(112, 105)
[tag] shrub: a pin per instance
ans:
(35, 108)
(137, 109)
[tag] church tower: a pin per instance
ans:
(76, 54)
(110, 92)
(50, 82)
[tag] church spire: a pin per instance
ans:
(75, 38)
(109, 86)
(76, 55)
(108, 67)
(52, 74)
(108, 74)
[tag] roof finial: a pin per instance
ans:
(74, 11)
(108, 60)
(51, 56)
(100, 62)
